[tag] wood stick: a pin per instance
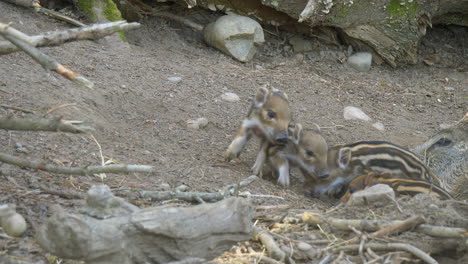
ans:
(41, 124)
(46, 61)
(59, 16)
(393, 229)
(16, 108)
(390, 246)
(273, 249)
(184, 196)
(180, 19)
(59, 107)
(89, 170)
(25, 3)
(56, 38)
(375, 225)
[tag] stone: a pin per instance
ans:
(236, 36)
(182, 188)
(379, 126)
(353, 113)
(14, 225)
(300, 44)
(230, 97)
(303, 246)
(360, 61)
(373, 194)
(197, 123)
(174, 79)
(165, 187)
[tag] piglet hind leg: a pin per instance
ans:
(261, 158)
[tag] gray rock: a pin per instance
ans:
(361, 61)
(165, 187)
(379, 192)
(182, 188)
(234, 35)
(230, 97)
(303, 246)
(174, 79)
(300, 44)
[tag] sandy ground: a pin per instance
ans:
(141, 117)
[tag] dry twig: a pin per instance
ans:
(42, 124)
(46, 61)
(55, 38)
(374, 225)
(89, 170)
(273, 249)
(16, 108)
(391, 246)
(407, 224)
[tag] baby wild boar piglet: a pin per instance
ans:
(268, 118)
(346, 162)
(306, 150)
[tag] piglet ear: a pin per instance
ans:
(297, 133)
(344, 158)
(261, 96)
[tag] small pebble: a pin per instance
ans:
(360, 61)
(197, 123)
(165, 187)
(303, 246)
(174, 79)
(14, 225)
(379, 126)
(448, 88)
(182, 188)
(18, 145)
(230, 97)
(351, 112)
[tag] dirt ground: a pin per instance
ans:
(141, 117)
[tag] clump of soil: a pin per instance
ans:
(141, 116)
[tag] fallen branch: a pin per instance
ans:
(390, 246)
(25, 3)
(55, 38)
(58, 16)
(407, 224)
(184, 196)
(89, 170)
(375, 225)
(47, 62)
(273, 249)
(42, 124)
(16, 108)
(184, 21)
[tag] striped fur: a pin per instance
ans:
(384, 157)
(399, 185)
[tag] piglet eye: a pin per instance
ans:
(309, 153)
(271, 114)
(443, 142)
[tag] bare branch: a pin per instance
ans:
(47, 62)
(16, 108)
(390, 246)
(89, 170)
(185, 21)
(41, 124)
(55, 38)
(374, 225)
(59, 16)
(25, 3)
(273, 249)
(184, 196)
(400, 227)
